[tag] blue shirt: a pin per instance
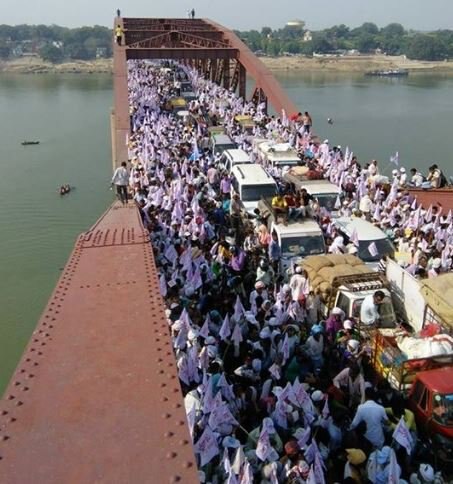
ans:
(274, 250)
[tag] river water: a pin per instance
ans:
(69, 114)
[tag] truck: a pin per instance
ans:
(274, 155)
(431, 400)
(392, 360)
(344, 281)
(297, 239)
(325, 192)
(422, 302)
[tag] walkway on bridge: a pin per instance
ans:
(96, 397)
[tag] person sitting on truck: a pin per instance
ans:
(265, 273)
(369, 311)
(274, 252)
(280, 206)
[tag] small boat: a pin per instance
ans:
(27, 143)
(64, 189)
(388, 73)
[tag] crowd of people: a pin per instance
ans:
(273, 392)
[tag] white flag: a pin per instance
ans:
(372, 249)
(236, 337)
(394, 471)
(263, 448)
(337, 205)
(238, 309)
(206, 446)
(238, 461)
(285, 349)
(204, 331)
(191, 416)
(225, 330)
(403, 436)
(395, 158)
(247, 474)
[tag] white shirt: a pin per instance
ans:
(299, 286)
(368, 311)
(374, 416)
(120, 177)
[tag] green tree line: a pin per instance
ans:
(55, 43)
(392, 40)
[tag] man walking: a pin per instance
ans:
(120, 179)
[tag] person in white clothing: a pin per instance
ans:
(374, 417)
(121, 179)
(369, 311)
(298, 285)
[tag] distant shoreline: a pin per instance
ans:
(346, 64)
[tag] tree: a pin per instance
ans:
(393, 30)
(366, 43)
(51, 53)
(320, 44)
(427, 47)
(266, 31)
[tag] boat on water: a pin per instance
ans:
(388, 73)
(27, 143)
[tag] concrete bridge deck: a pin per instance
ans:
(96, 396)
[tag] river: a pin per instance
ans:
(69, 114)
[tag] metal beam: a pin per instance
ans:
(180, 53)
(255, 68)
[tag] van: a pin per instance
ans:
(234, 157)
(252, 183)
(325, 192)
(221, 142)
(373, 243)
(278, 155)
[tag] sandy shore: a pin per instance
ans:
(35, 65)
(353, 63)
(358, 64)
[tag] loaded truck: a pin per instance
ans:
(344, 281)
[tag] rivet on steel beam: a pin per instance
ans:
(188, 464)
(4, 412)
(25, 389)
(177, 405)
(160, 372)
(19, 403)
(31, 375)
(172, 455)
(163, 385)
(164, 399)
(11, 397)
(5, 437)
(183, 442)
(12, 419)
(168, 434)
(181, 422)
(17, 383)
(175, 479)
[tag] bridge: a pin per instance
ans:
(212, 49)
(96, 396)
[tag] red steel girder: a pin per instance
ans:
(256, 69)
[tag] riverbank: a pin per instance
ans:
(35, 65)
(358, 64)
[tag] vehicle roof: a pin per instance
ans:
(365, 230)
(439, 380)
(222, 139)
(252, 173)
(320, 186)
(296, 228)
(238, 155)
